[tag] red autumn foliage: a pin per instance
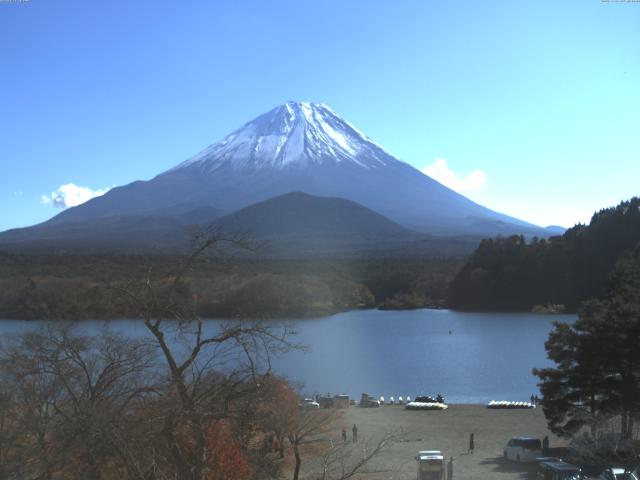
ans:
(224, 459)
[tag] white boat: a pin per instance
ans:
(507, 405)
(426, 406)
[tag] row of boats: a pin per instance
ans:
(504, 404)
(437, 403)
(407, 400)
(420, 402)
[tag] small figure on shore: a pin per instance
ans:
(450, 469)
(344, 434)
(533, 399)
(354, 430)
(472, 444)
(545, 446)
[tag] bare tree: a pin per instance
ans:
(9, 461)
(346, 460)
(214, 368)
(74, 400)
(308, 427)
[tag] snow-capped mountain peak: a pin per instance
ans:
(296, 147)
(292, 134)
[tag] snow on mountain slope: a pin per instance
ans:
(296, 133)
(302, 147)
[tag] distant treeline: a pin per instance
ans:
(86, 286)
(513, 274)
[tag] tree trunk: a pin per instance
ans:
(92, 470)
(296, 452)
(47, 464)
(280, 439)
(593, 414)
(182, 469)
(198, 470)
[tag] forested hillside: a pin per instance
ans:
(83, 286)
(512, 274)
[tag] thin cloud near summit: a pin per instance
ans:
(71, 195)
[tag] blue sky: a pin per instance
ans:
(530, 108)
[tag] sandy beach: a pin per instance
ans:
(448, 431)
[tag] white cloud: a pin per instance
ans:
(70, 195)
(440, 171)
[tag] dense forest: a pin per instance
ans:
(85, 286)
(513, 274)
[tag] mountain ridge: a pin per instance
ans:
(293, 225)
(301, 213)
(296, 147)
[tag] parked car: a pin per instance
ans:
(560, 471)
(341, 401)
(326, 401)
(542, 460)
(369, 401)
(617, 473)
(431, 465)
(523, 449)
(310, 404)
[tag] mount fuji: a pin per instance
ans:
(296, 147)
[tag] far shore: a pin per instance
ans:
(297, 315)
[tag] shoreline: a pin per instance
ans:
(302, 316)
(448, 431)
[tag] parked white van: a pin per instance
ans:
(523, 449)
(430, 465)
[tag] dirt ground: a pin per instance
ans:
(448, 431)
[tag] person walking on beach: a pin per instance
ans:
(344, 435)
(354, 430)
(471, 443)
(545, 446)
(450, 469)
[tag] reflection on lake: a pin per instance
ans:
(398, 353)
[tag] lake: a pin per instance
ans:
(468, 357)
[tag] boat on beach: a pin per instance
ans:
(507, 405)
(425, 406)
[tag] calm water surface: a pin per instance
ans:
(398, 353)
